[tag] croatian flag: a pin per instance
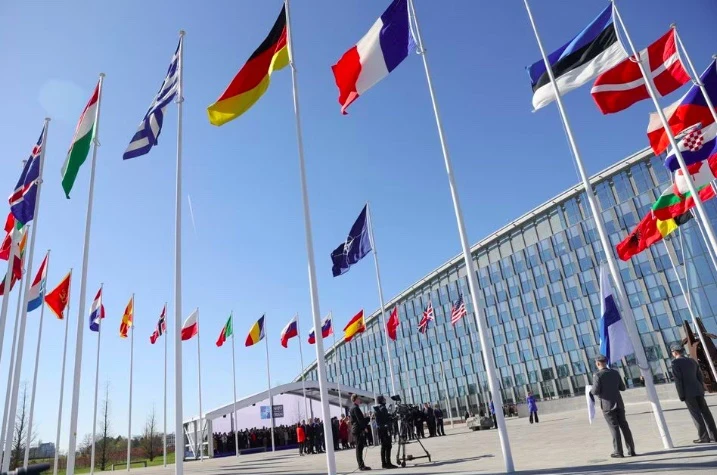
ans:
(326, 330)
(290, 331)
(379, 52)
(698, 144)
(614, 340)
(97, 312)
(37, 291)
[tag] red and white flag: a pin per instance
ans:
(161, 327)
(622, 86)
(191, 326)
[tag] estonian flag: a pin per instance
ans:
(594, 50)
(614, 341)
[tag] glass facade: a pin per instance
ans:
(539, 290)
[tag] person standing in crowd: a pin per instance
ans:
(374, 430)
(492, 413)
(689, 382)
(607, 385)
(344, 432)
(430, 419)
(300, 437)
(532, 407)
(438, 413)
(419, 427)
(359, 425)
(383, 422)
(335, 432)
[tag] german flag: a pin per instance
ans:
(252, 80)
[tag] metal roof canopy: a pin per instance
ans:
(294, 388)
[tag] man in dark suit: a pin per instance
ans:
(690, 388)
(430, 417)
(607, 384)
(359, 424)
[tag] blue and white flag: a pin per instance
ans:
(22, 201)
(614, 341)
(151, 126)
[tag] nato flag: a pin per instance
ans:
(356, 246)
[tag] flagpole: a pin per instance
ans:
(704, 238)
(268, 378)
(688, 301)
(97, 382)
(131, 370)
(178, 408)
(6, 293)
(467, 256)
(62, 378)
(696, 76)
(37, 365)
(314, 291)
(7, 428)
(301, 357)
(234, 401)
(447, 400)
(336, 359)
(83, 295)
(629, 318)
(199, 377)
(380, 297)
(164, 438)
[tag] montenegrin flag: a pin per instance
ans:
(127, 319)
(81, 142)
(37, 291)
(253, 78)
(256, 333)
(378, 53)
(356, 325)
(226, 332)
(58, 297)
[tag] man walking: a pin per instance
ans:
(439, 420)
(359, 425)
(690, 388)
(607, 384)
(532, 407)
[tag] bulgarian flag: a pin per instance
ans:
(677, 199)
(84, 134)
(226, 332)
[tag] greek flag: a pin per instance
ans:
(151, 125)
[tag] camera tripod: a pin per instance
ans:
(404, 427)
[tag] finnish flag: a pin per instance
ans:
(614, 340)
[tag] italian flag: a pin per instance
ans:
(225, 333)
(84, 134)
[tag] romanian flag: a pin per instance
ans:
(355, 325)
(256, 334)
(252, 80)
(127, 318)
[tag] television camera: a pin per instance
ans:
(407, 416)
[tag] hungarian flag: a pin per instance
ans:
(36, 294)
(622, 86)
(252, 80)
(689, 110)
(290, 331)
(648, 232)
(81, 142)
(161, 328)
(190, 328)
(226, 332)
(127, 319)
(58, 297)
(97, 312)
(256, 333)
(354, 326)
(392, 324)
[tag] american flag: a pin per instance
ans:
(458, 311)
(427, 317)
(161, 327)
(151, 126)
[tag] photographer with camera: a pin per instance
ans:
(359, 426)
(383, 420)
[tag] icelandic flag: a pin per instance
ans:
(698, 144)
(355, 248)
(614, 341)
(22, 201)
(37, 291)
(378, 53)
(147, 134)
(290, 331)
(97, 312)
(326, 330)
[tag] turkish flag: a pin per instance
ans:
(392, 324)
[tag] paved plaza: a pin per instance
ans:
(563, 443)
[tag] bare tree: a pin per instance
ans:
(21, 431)
(150, 441)
(106, 439)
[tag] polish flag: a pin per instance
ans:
(191, 326)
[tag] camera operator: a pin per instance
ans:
(383, 420)
(359, 426)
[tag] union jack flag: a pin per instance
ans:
(427, 317)
(22, 200)
(161, 327)
(458, 311)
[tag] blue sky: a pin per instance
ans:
(248, 251)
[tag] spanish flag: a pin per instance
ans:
(252, 80)
(127, 319)
(355, 325)
(256, 334)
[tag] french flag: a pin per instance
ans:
(290, 331)
(379, 52)
(327, 329)
(97, 312)
(37, 291)
(615, 343)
